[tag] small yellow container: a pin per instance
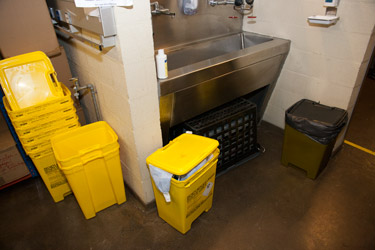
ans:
(28, 80)
(43, 141)
(43, 127)
(47, 134)
(31, 149)
(52, 176)
(40, 120)
(40, 109)
(89, 157)
(191, 197)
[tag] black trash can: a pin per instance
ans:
(311, 130)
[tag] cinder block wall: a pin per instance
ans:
(325, 64)
(125, 79)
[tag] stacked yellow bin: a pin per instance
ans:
(39, 107)
(89, 157)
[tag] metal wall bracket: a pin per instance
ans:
(105, 41)
(74, 22)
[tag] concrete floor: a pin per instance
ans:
(259, 205)
(362, 125)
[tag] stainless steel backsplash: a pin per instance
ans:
(208, 22)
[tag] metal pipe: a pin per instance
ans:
(93, 94)
(91, 88)
(242, 40)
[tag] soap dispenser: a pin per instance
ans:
(161, 64)
(330, 17)
(331, 3)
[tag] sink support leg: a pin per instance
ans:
(166, 107)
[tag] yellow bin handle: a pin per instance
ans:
(91, 153)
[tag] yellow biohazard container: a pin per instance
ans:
(49, 117)
(32, 148)
(89, 157)
(190, 197)
(52, 176)
(47, 134)
(40, 109)
(49, 125)
(43, 140)
(28, 80)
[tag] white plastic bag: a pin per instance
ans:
(191, 172)
(162, 180)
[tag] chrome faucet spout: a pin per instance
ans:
(243, 7)
(214, 2)
(160, 10)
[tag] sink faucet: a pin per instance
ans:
(243, 7)
(213, 2)
(235, 2)
(160, 10)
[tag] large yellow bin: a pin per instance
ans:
(190, 197)
(52, 176)
(89, 158)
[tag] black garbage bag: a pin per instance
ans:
(319, 122)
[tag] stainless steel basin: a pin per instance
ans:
(192, 53)
(208, 73)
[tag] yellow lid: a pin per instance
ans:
(29, 79)
(183, 153)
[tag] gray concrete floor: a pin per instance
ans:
(259, 205)
(361, 129)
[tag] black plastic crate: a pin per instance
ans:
(234, 125)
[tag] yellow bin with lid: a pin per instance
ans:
(192, 196)
(89, 157)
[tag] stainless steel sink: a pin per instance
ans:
(208, 73)
(195, 52)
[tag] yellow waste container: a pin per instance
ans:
(28, 80)
(192, 196)
(52, 176)
(89, 158)
(41, 109)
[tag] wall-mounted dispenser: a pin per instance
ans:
(190, 7)
(330, 17)
(331, 3)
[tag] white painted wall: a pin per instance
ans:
(126, 82)
(325, 64)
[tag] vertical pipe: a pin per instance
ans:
(242, 40)
(91, 88)
(96, 106)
